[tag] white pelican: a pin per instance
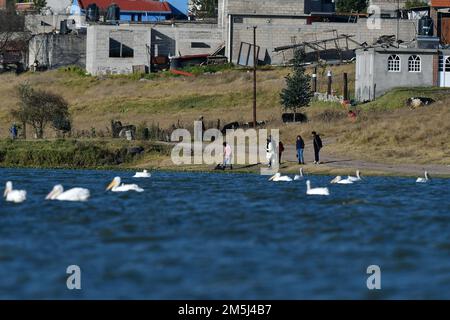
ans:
(339, 180)
(115, 186)
(74, 194)
(16, 196)
(423, 180)
(299, 176)
(279, 177)
(354, 179)
(316, 191)
(143, 174)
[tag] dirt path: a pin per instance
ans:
(336, 162)
(331, 164)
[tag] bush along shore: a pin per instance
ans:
(78, 154)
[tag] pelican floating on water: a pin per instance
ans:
(16, 196)
(299, 176)
(355, 179)
(339, 180)
(316, 191)
(115, 186)
(423, 180)
(143, 174)
(279, 177)
(74, 194)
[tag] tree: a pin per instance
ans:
(297, 93)
(349, 5)
(39, 5)
(38, 108)
(415, 4)
(204, 8)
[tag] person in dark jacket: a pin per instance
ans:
(300, 146)
(317, 142)
(280, 151)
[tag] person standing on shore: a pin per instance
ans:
(227, 156)
(280, 151)
(270, 151)
(13, 131)
(317, 142)
(300, 146)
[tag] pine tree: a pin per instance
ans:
(39, 4)
(297, 93)
(349, 5)
(204, 8)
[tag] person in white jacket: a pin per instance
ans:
(270, 152)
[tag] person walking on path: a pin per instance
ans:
(317, 142)
(300, 146)
(227, 156)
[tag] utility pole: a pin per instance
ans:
(255, 62)
(398, 21)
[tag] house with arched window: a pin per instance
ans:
(379, 70)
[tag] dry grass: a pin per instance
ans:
(394, 134)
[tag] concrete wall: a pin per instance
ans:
(364, 84)
(272, 33)
(55, 50)
(373, 78)
(177, 39)
(98, 60)
(156, 39)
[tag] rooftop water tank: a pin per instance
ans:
(113, 13)
(92, 12)
(425, 26)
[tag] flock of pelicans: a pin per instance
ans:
(338, 180)
(74, 194)
(82, 194)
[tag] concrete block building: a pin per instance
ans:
(379, 70)
(120, 49)
(278, 23)
(285, 22)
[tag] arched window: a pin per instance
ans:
(394, 63)
(414, 64)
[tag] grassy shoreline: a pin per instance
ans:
(109, 154)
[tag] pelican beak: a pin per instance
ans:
(5, 193)
(111, 185)
(50, 195)
(271, 178)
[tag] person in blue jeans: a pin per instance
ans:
(300, 146)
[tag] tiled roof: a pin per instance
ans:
(440, 3)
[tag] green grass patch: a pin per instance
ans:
(63, 153)
(397, 98)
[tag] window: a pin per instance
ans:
(444, 65)
(394, 63)
(414, 64)
(200, 45)
(120, 44)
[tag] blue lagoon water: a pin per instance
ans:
(224, 236)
